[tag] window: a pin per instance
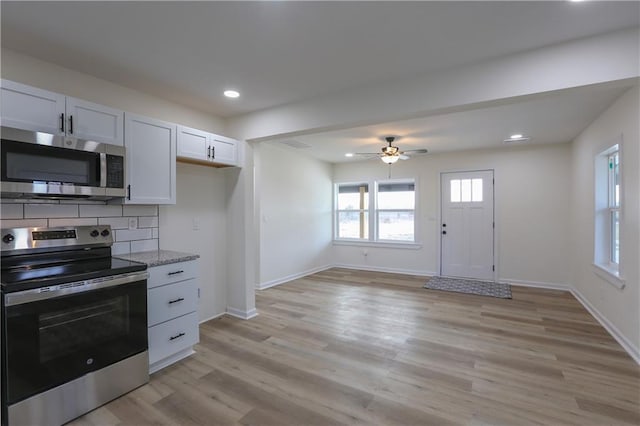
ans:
(614, 206)
(353, 211)
(393, 218)
(395, 211)
(607, 210)
(466, 190)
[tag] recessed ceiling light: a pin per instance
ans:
(349, 154)
(516, 136)
(231, 93)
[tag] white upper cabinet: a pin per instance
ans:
(192, 143)
(30, 108)
(94, 122)
(25, 107)
(197, 145)
(224, 150)
(151, 160)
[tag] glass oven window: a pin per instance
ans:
(76, 328)
(52, 341)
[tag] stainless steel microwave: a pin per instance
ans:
(42, 165)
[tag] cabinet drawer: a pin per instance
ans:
(172, 301)
(173, 336)
(174, 272)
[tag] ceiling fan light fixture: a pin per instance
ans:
(390, 159)
(349, 154)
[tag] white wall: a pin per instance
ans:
(531, 210)
(200, 192)
(620, 307)
(294, 213)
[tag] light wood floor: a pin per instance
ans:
(345, 347)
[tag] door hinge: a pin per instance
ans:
(493, 268)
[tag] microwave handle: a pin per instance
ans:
(103, 170)
(129, 192)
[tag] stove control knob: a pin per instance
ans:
(94, 233)
(8, 238)
(105, 233)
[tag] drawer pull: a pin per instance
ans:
(175, 273)
(177, 336)
(180, 299)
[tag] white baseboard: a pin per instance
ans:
(536, 284)
(278, 281)
(239, 313)
(165, 362)
(384, 269)
(612, 329)
(212, 317)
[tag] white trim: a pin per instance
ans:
(212, 317)
(609, 276)
(536, 284)
(378, 244)
(388, 270)
(239, 313)
(278, 281)
(612, 329)
(165, 362)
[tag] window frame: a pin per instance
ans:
(373, 238)
(604, 210)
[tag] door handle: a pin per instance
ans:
(71, 124)
(208, 152)
(128, 192)
(213, 152)
(177, 336)
(180, 299)
(62, 122)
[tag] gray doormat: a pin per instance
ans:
(462, 285)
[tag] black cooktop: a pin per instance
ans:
(26, 275)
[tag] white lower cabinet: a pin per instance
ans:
(172, 299)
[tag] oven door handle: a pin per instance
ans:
(66, 289)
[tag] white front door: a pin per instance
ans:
(467, 225)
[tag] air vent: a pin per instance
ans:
(295, 144)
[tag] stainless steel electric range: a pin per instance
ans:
(74, 323)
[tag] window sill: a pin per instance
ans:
(610, 275)
(379, 244)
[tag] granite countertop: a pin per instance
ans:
(158, 257)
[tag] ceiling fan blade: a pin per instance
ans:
(403, 157)
(415, 151)
(365, 153)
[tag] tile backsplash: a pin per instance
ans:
(135, 227)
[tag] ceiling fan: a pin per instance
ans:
(390, 153)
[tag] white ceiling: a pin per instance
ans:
(280, 52)
(556, 118)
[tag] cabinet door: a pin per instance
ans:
(28, 108)
(224, 150)
(193, 144)
(151, 160)
(99, 123)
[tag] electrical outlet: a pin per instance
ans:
(133, 223)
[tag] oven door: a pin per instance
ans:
(51, 340)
